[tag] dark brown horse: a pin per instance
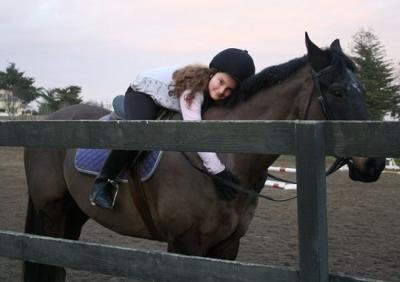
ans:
(183, 202)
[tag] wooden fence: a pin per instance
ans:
(310, 141)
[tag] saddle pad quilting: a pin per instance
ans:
(90, 161)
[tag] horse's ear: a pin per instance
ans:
(336, 45)
(316, 56)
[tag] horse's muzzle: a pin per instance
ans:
(366, 169)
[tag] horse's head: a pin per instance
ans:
(342, 97)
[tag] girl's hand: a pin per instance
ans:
(225, 183)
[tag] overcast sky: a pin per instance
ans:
(101, 45)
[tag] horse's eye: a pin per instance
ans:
(337, 89)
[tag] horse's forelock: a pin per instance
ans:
(339, 57)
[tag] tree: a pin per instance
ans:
(376, 73)
(17, 88)
(57, 98)
(50, 102)
(69, 95)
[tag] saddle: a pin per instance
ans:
(91, 160)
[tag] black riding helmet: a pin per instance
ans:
(235, 62)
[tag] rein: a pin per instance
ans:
(235, 186)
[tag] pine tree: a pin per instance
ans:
(377, 75)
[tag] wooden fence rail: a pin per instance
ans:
(278, 137)
(141, 264)
(131, 263)
(310, 141)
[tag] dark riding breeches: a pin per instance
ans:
(139, 106)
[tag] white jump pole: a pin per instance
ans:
(280, 185)
(282, 169)
(391, 164)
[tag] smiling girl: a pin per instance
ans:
(189, 90)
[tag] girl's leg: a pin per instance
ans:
(138, 106)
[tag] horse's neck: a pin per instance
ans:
(287, 100)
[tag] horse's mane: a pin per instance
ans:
(273, 75)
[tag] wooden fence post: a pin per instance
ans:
(311, 201)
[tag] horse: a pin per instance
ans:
(186, 211)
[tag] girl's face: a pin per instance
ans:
(221, 85)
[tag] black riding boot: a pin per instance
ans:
(105, 187)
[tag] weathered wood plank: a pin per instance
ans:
(343, 278)
(130, 263)
(277, 137)
(373, 139)
(311, 203)
(225, 136)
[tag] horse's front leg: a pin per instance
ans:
(190, 243)
(187, 243)
(227, 249)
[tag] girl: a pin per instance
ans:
(188, 90)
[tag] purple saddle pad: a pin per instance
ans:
(91, 161)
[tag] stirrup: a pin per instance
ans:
(114, 191)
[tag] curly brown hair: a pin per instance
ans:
(192, 77)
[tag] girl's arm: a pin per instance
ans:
(192, 111)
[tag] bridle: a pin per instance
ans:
(323, 101)
(326, 110)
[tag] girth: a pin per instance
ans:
(140, 200)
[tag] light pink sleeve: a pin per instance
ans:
(193, 112)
